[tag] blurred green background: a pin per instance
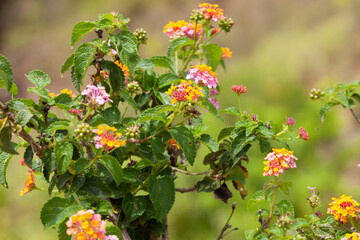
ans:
(281, 49)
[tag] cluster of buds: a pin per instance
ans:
(226, 24)
(191, 111)
(316, 93)
(141, 35)
(83, 131)
(133, 88)
(284, 221)
(314, 199)
(132, 132)
(238, 89)
(196, 15)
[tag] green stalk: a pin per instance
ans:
(239, 105)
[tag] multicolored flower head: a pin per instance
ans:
(66, 91)
(29, 184)
(181, 28)
(97, 96)
(171, 142)
(75, 111)
(343, 207)
(123, 67)
(86, 225)
(290, 121)
(278, 161)
(203, 74)
(351, 236)
(107, 137)
(238, 89)
(226, 53)
(186, 91)
(303, 134)
(211, 11)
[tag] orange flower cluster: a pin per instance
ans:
(186, 91)
(173, 143)
(67, 91)
(212, 11)
(226, 53)
(123, 67)
(182, 28)
(86, 225)
(343, 207)
(278, 161)
(107, 137)
(352, 236)
(29, 184)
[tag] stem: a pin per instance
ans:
(188, 173)
(355, 116)
(86, 116)
(78, 200)
(123, 115)
(283, 131)
(272, 206)
(185, 190)
(227, 226)
(353, 224)
(192, 52)
(239, 105)
(176, 62)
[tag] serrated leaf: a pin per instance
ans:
(96, 187)
(185, 139)
(286, 206)
(6, 75)
(82, 59)
(249, 234)
(267, 132)
(4, 163)
(325, 108)
(239, 143)
(113, 166)
(13, 89)
(162, 61)
(5, 140)
(58, 125)
(22, 117)
(39, 78)
(177, 44)
(152, 113)
(133, 207)
(213, 54)
(149, 79)
(74, 80)
(145, 64)
(79, 30)
(67, 64)
(116, 75)
(104, 23)
(224, 133)
(111, 115)
(232, 110)
(264, 144)
(209, 141)
(162, 194)
(104, 208)
(56, 210)
(167, 79)
(63, 154)
(125, 95)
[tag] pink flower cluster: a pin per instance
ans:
(278, 161)
(97, 95)
(238, 89)
(182, 28)
(290, 121)
(202, 74)
(303, 134)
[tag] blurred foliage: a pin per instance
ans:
(280, 51)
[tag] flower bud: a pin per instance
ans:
(316, 93)
(314, 199)
(226, 24)
(284, 221)
(133, 88)
(141, 35)
(132, 132)
(83, 131)
(196, 16)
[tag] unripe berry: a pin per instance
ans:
(133, 88)
(226, 24)
(314, 201)
(284, 221)
(83, 131)
(316, 93)
(141, 35)
(132, 132)
(196, 15)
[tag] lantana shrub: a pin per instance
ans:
(111, 174)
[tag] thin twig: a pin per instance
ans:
(188, 173)
(139, 140)
(185, 190)
(227, 226)
(355, 116)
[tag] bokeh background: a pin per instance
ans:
(281, 49)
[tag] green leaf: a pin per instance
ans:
(4, 163)
(249, 234)
(28, 156)
(239, 143)
(152, 113)
(177, 44)
(162, 61)
(116, 75)
(143, 163)
(67, 64)
(76, 183)
(125, 95)
(262, 236)
(210, 107)
(56, 210)
(58, 125)
(114, 167)
(104, 23)
(82, 59)
(149, 79)
(79, 30)
(325, 108)
(63, 154)
(38, 78)
(167, 79)
(5, 140)
(264, 144)
(232, 110)
(80, 165)
(213, 54)
(104, 208)
(111, 115)
(267, 132)
(285, 206)
(258, 196)
(22, 117)
(6, 75)
(113, 230)
(74, 80)
(184, 137)
(133, 207)
(224, 133)
(14, 90)
(162, 194)
(62, 235)
(210, 142)
(96, 187)
(145, 64)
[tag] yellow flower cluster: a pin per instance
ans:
(343, 207)
(212, 11)
(186, 91)
(66, 91)
(182, 28)
(226, 53)
(29, 184)
(352, 236)
(123, 67)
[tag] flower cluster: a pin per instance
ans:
(124, 68)
(29, 184)
(182, 28)
(66, 91)
(351, 236)
(75, 111)
(211, 11)
(290, 121)
(86, 225)
(97, 95)
(203, 74)
(107, 137)
(278, 161)
(238, 89)
(303, 134)
(343, 207)
(185, 91)
(226, 53)
(171, 142)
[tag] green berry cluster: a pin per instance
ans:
(314, 201)
(133, 88)
(284, 221)
(141, 35)
(226, 24)
(132, 132)
(196, 16)
(83, 131)
(316, 93)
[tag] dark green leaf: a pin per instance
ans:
(167, 79)
(239, 143)
(38, 78)
(116, 75)
(149, 79)
(79, 30)
(67, 64)
(22, 117)
(104, 208)
(177, 44)
(209, 141)
(125, 95)
(76, 82)
(4, 162)
(264, 144)
(184, 137)
(225, 132)
(145, 64)
(76, 183)
(58, 125)
(162, 194)
(96, 187)
(80, 165)
(28, 156)
(111, 115)
(133, 207)
(6, 75)
(162, 61)
(62, 235)
(267, 132)
(5, 140)
(232, 110)
(114, 230)
(213, 54)
(325, 108)
(113, 166)
(83, 57)
(63, 155)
